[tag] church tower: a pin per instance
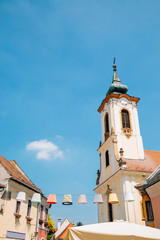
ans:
(119, 116)
(121, 151)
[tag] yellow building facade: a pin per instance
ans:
(18, 219)
(123, 160)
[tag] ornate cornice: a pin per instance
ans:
(117, 96)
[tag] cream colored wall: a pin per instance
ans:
(8, 220)
(129, 146)
(132, 146)
(154, 193)
(4, 177)
(112, 147)
(121, 182)
(105, 171)
(103, 113)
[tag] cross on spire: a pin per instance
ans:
(114, 64)
(116, 86)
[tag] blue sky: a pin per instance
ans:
(55, 68)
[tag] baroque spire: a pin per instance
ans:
(116, 86)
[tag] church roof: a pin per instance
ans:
(116, 86)
(17, 173)
(116, 90)
(149, 164)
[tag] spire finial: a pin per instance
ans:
(116, 86)
(114, 64)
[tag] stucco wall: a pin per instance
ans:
(4, 177)
(154, 193)
(9, 222)
(120, 183)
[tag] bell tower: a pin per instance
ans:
(121, 145)
(119, 116)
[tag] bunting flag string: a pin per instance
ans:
(67, 199)
(112, 198)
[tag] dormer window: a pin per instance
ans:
(125, 119)
(106, 126)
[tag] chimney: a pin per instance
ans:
(59, 223)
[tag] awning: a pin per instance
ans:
(113, 231)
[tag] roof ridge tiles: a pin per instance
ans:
(16, 174)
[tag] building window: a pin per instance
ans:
(18, 207)
(106, 126)
(106, 123)
(41, 212)
(110, 212)
(143, 211)
(125, 119)
(46, 214)
(149, 211)
(107, 158)
(6, 195)
(29, 206)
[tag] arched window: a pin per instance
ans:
(106, 126)
(106, 123)
(107, 158)
(125, 119)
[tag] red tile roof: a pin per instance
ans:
(17, 173)
(149, 164)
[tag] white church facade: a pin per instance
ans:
(123, 161)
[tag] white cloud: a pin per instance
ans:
(59, 137)
(45, 150)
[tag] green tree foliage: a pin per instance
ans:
(50, 228)
(79, 224)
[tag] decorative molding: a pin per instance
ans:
(109, 98)
(112, 131)
(121, 103)
(127, 131)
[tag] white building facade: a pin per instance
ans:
(122, 157)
